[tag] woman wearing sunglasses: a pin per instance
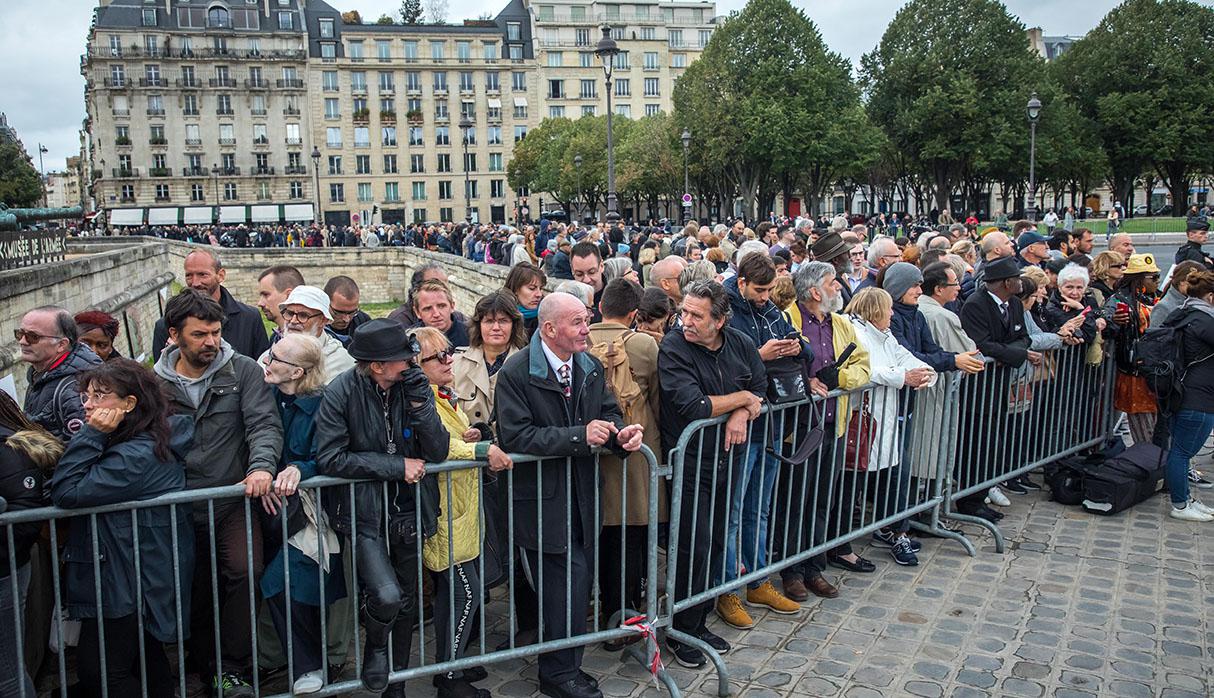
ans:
(451, 553)
(129, 449)
(295, 369)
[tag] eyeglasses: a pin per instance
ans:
(442, 357)
(32, 337)
(344, 313)
(300, 315)
(497, 320)
(94, 395)
(274, 358)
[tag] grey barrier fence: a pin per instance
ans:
(931, 449)
(614, 619)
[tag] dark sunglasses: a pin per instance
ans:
(443, 356)
(32, 337)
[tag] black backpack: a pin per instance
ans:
(1159, 357)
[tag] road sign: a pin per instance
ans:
(687, 198)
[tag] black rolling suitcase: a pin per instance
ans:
(1124, 480)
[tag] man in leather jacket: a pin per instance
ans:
(378, 421)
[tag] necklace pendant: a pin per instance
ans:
(391, 448)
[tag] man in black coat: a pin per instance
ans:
(994, 318)
(378, 421)
(242, 326)
(553, 400)
(49, 343)
(1191, 251)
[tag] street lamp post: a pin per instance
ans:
(215, 179)
(1034, 112)
(607, 50)
(686, 179)
(316, 179)
(465, 124)
(42, 171)
(577, 167)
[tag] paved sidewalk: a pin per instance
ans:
(1079, 605)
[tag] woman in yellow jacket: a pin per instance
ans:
(451, 553)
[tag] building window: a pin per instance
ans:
(261, 136)
(651, 60)
(386, 82)
(328, 52)
(437, 50)
(419, 191)
(334, 164)
(463, 51)
(581, 37)
(332, 110)
(516, 52)
(470, 162)
(442, 135)
(651, 87)
(495, 135)
(229, 191)
(364, 191)
(362, 164)
(444, 189)
(333, 136)
(388, 135)
(162, 192)
(328, 81)
(390, 164)
(128, 193)
(555, 59)
(653, 109)
(675, 38)
(391, 191)
(491, 82)
(495, 162)
(556, 89)
(196, 193)
(556, 112)
(149, 16)
(217, 17)
(286, 20)
(624, 110)
(588, 110)
(296, 189)
(705, 35)
(497, 188)
(490, 52)
(513, 31)
(337, 193)
(621, 61)
(419, 215)
(362, 137)
(470, 189)
(520, 132)
(383, 49)
(585, 59)
(466, 83)
(444, 162)
(546, 13)
(326, 28)
(678, 60)
(588, 89)
(263, 191)
(518, 81)
(355, 51)
(415, 135)
(622, 87)
(648, 34)
(417, 163)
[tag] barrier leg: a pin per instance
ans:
(941, 532)
(723, 688)
(650, 642)
(966, 518)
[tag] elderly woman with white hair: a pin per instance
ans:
(619, 268)
(702, 270)
(1072, 299)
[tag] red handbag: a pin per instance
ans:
(861, 430)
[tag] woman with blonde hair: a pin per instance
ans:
(965, 250)
(892, 368)
(1106, 271)
(451, 553)
(646, 259)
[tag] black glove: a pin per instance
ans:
(416, 385)
(829, 375)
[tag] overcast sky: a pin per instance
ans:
(41, 42)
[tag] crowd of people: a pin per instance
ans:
(642, 335)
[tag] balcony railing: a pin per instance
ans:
(158, 141)
(358, 89)
(295, 169)
(155, 112)
(122, 141)
(126, 199)
(294, 141)
(189, 83)
(114, 82)
(257, 84)
(261, 140)
(387, 116)
(124, 172)
(291, 83)
(194, 172)
(164, 197)
(265, 170)
(158, 172)
(290, 111)
(257, 112)
(227, 171)
(227, 141)
(153, 82)
(224, 111)
(222, 82)
(189, 112)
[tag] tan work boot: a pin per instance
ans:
(730, 610)
(768, 597)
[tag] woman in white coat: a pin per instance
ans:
(893, 368)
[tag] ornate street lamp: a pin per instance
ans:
(1034, 113)
(607, 50)
(465, 124)
(577, 167)
(686, 180)
(316, 179)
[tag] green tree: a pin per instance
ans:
(948, 83)
(411, 11)
(649, 161)
(1142, 78)
(385, 20)
(20, 184)
(764, 103)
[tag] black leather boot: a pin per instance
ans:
(375, 654)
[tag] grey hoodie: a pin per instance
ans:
(194, 388)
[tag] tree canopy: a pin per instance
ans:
(20, 184)
(411, 11)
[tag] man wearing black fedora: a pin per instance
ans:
(378, 421)
(834, 250)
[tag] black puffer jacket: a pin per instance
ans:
(352, 442)
(53, 400)
(25, 458)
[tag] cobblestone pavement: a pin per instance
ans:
(1079, 605)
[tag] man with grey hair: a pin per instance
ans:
(577, 289)
(553, 401)
(49, 343)
(956, 231)
(882, 253)
(808, 491)
(744, 250)
(943, 242)
(693, 387)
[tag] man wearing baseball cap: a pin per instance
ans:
(378, 421)
(306, 311)
(1031, 249)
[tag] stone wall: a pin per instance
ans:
(382, 273)
(130, 282)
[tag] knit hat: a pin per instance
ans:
(899, 277)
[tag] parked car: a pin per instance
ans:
(1141, 210)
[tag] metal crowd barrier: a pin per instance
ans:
(503, 615)
(1014, 420)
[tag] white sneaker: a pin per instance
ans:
(1200, 506)
(1191, 513)
(997, 497)
(310, 682)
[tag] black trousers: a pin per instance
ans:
(565, 590)
(389, 584)
(622, 556)
(121, 660)
(307, 648)
(701, 546)
(810, 507)
(233, 557)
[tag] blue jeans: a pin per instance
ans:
(1190, 429)
(749, 510)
